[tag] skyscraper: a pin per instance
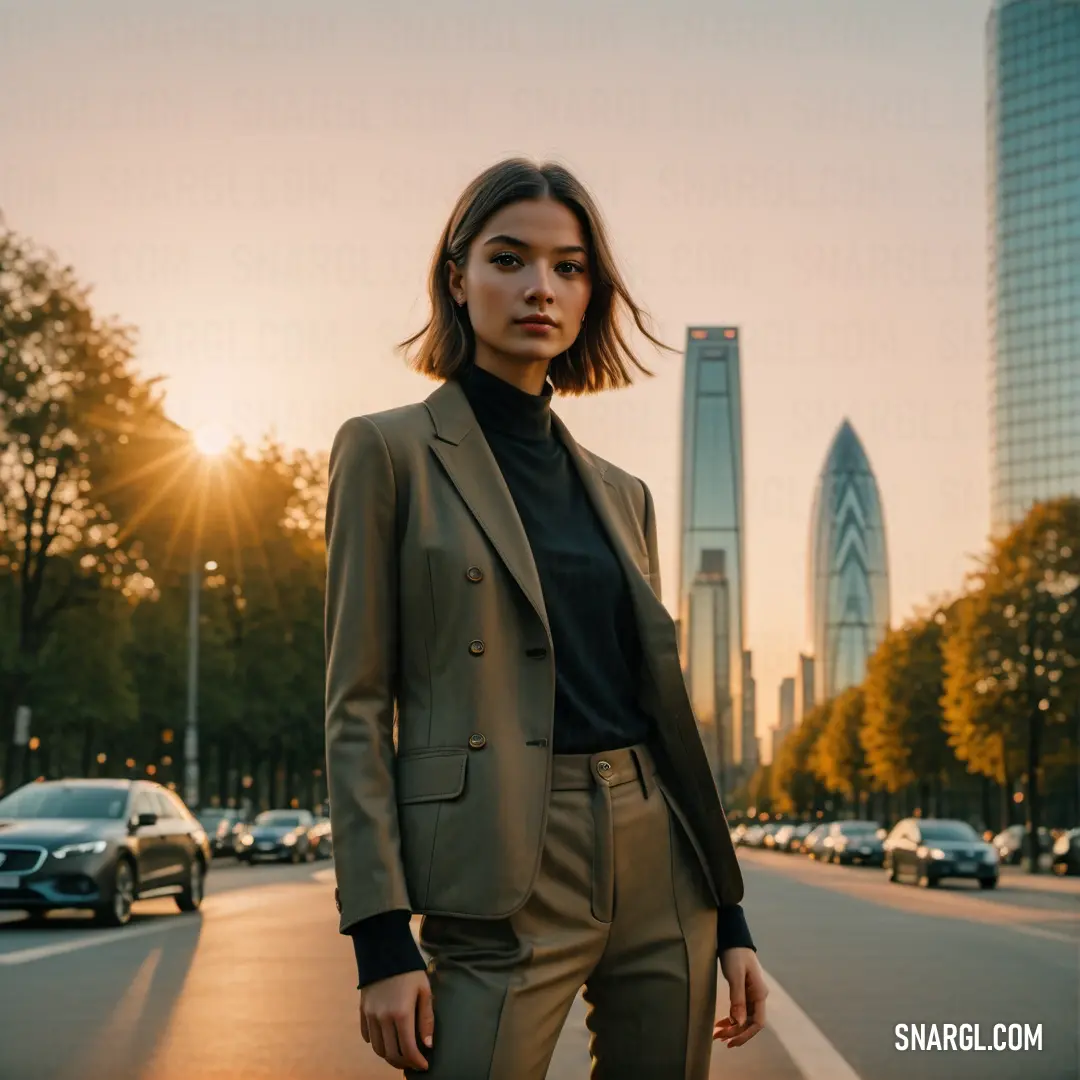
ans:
(711, 597)
(848, 573)
(805, 692)
(751, 755)
(785, 723)
(1033, 144)
(786, 714)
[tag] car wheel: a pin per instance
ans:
(988, 883)
(117, 912)
(192, 896)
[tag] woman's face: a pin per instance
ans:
(529, 259)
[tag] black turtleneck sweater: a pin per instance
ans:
(590, 612)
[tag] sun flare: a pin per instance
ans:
(210, 440)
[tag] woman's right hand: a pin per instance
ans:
(392, 1012)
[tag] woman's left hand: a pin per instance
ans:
(747, 991)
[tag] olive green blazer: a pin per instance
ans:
(440, 682)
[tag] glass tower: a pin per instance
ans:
(849, 575)
(711, 595)
(1033, 144)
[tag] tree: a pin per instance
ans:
(83, 692)
(72, 410)
(903, 734)
(760, 789)
(982, 730)
(792, 781)
(1014, 661)
(838, 759)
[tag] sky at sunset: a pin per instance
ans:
(259, 186)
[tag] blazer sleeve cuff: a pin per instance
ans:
(384, 947)
(732, 931)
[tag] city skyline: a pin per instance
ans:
(268, 225)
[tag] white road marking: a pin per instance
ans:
(221, 906)
(105, 937)
(814, 1056)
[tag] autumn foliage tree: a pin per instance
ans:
(1013, 652)
(903, 732)
(793, 782)
(838, 758)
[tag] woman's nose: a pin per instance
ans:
(541, 288)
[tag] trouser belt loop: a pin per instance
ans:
(640, 772)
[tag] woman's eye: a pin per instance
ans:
(575, 267)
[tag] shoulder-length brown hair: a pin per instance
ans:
(600, 357)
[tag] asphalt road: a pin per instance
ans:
(259, 986)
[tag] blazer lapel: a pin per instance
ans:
(623, 538)
(464, 453)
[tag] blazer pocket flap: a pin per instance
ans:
(431, 775)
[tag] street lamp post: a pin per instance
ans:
(191, 735)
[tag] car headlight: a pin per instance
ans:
(90, 847)
(247, 839)
(990, 855)
(937, 853)
(289, 839)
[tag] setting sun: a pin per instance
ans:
(210, 440)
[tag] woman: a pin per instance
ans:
(510, 748)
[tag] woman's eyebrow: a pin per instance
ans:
(502, 238)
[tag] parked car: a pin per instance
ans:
(814, 844)
(322, 840)
(793, 842)
(779, 839)
(855, 842)
(771, 830)
(1009, 843)
(1066, 853)
(753, 836)
(220, 824)
(99, 845)
(928, 850)
(279, 835)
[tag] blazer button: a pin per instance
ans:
(474, 573)
(477, 741)
(476, 647)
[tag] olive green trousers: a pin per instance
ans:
(621, 907)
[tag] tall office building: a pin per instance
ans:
(848, 573)
(805, 694)
(706, 658)
(1033, 137)
(751, 754)
(711, 595)
(786, 721)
